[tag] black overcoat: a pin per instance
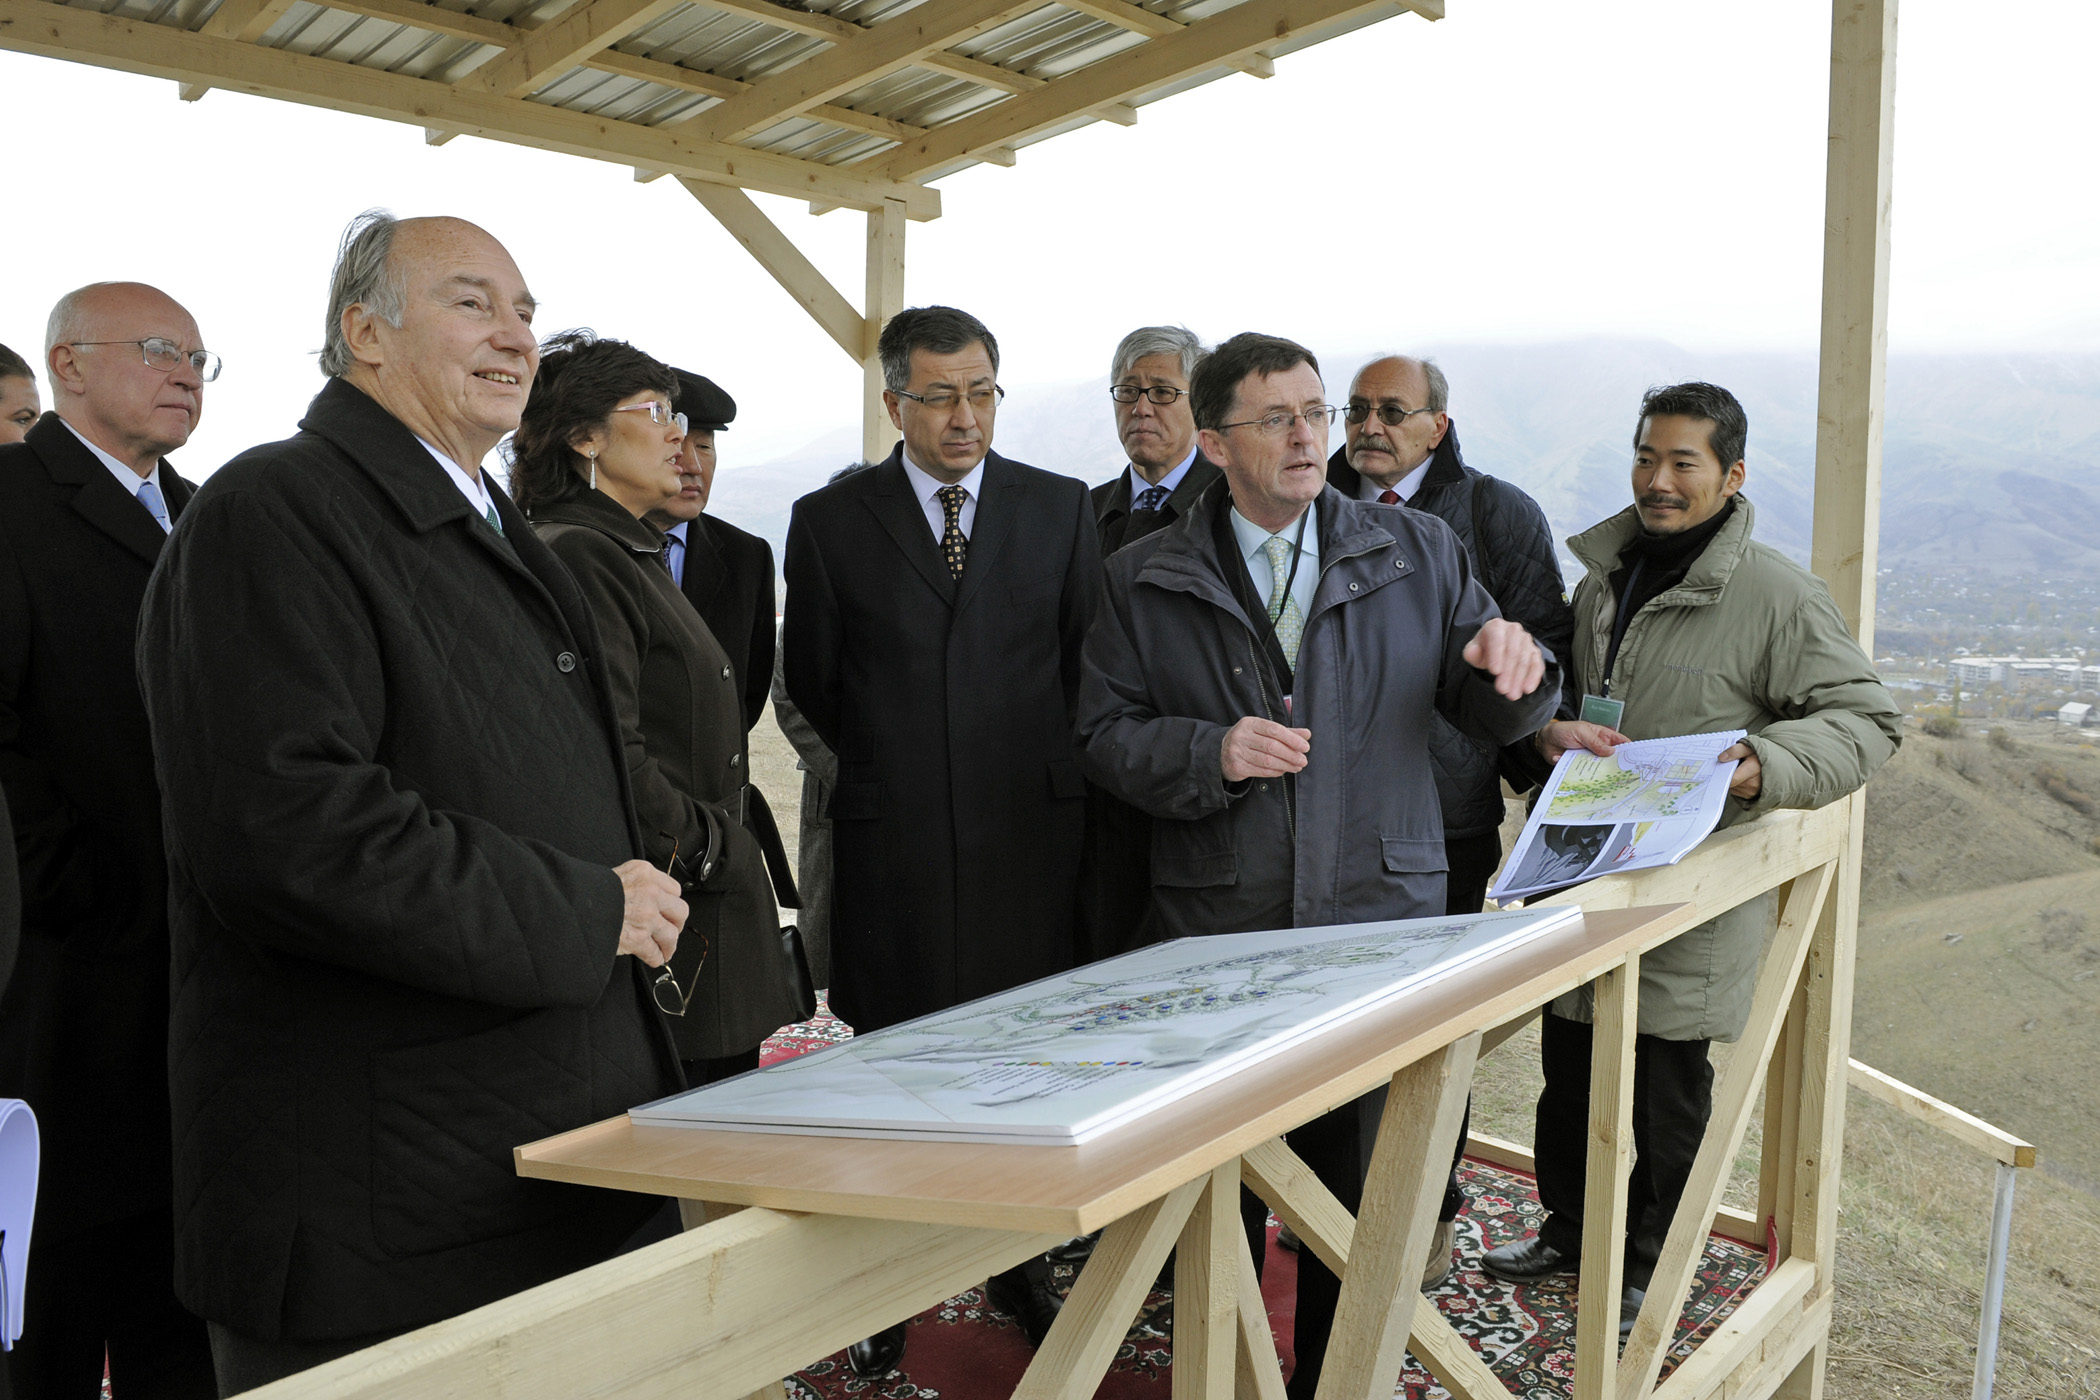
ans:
(681, 720)
(959, 807)
(84, 1022)
(729, 581)
(1118, 525)
(395, 795)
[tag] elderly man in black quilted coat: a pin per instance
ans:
(408, 921)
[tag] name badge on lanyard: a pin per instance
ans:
(1597, 709)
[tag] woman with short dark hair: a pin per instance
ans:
(19, 406)
(596, 450)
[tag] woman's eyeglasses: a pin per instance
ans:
(669, 999)
(659, 413)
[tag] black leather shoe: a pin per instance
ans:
(1526, 1261)
(1025, 1295)
(874, 1357)
(1630, 1310)
(1073, 1251)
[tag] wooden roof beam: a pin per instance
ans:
(245, 20)
(875, 53)
(563, 43)
(164, 51)
(816, 25)
(1206, 44)
(670, 75)
(434, 18)
(950, 64)
(1153, 25)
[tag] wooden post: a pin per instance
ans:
(1616, 1019)
(885, 299)
(1844, 553)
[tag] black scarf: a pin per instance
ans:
(1652, 565)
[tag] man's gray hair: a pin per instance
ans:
(1439, 387)
(364, 276)
(1178, 341)
(68, 321)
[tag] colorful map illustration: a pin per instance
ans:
(1067, 1058)
(1645, 786)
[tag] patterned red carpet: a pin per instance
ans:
(964, 1350)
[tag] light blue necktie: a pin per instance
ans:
(149, 497)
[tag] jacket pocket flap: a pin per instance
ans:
(1065, 780)
(855, 802)
(1408, 855)
(1196, 872)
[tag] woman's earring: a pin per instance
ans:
(594, 471)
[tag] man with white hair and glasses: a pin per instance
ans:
(86, 501)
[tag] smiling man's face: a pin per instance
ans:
(460, 365)
(1678, 482)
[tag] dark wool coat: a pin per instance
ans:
(84, 1022)
(1510, 547)
(1174, 660)
(959, 807)
(729, 581)
(681, 720)
(395, 795)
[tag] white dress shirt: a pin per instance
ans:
(1252, 537)
(130, 480)
(674, 544)
(1369, 490)
(1138, 484)
(924, 485)
(472, 487)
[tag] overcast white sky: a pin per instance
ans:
(1523, 170)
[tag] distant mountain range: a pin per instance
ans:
(1990, 461)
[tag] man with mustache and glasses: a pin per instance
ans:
(1684, 625)
(1260, 682)
(1401, 448)
(411, 926)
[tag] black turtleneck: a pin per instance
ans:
(1651, 565)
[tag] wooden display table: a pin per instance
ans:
(1175, 1178)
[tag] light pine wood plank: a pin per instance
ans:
(1257, 1373)
(1604, 1184)
(1206, 1291)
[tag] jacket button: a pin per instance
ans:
(1399, 563)
(1235, 670)
(725, 673)
(1354, 587)
(736, 760)
(566, 662)
(1264, 787)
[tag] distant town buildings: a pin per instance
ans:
(2077, 715)
(2023, 673)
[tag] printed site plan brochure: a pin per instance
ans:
(1648, 804)
(1070, 1057)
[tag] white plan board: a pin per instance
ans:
(1648, 804)
(1070, 1057)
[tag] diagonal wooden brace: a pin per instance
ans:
(1642, 1359)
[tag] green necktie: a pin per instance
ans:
(495, 520)
(1283, 605)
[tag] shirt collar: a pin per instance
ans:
(677, 532)
(1252, 537)
(924, 484)
(1406, 486)
(472, 487)
(130, 480)
(1138, 484)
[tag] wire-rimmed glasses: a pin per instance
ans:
(1389, 413)
(669, 999)
(164, 355)
(659, 413)
(981, 400)
(1161, 394)
(1278, 423)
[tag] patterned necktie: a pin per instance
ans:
(495, 520)
(1389, 497)
(1283, 604)
(149, 497)
(955, 547)
(671, 542)
(1149, 499)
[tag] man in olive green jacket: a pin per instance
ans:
(1692, 627)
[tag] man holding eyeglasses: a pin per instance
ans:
(936, 604)
(1260, 679)
(86, 501)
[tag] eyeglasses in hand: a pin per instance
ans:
(164, 355)
(981, 400)
(1389, 413)
(1277, 424)
(669, 999)
(659, 413)
(1161, 394)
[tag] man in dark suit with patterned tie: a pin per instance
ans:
(936, 605)
(85, 502)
